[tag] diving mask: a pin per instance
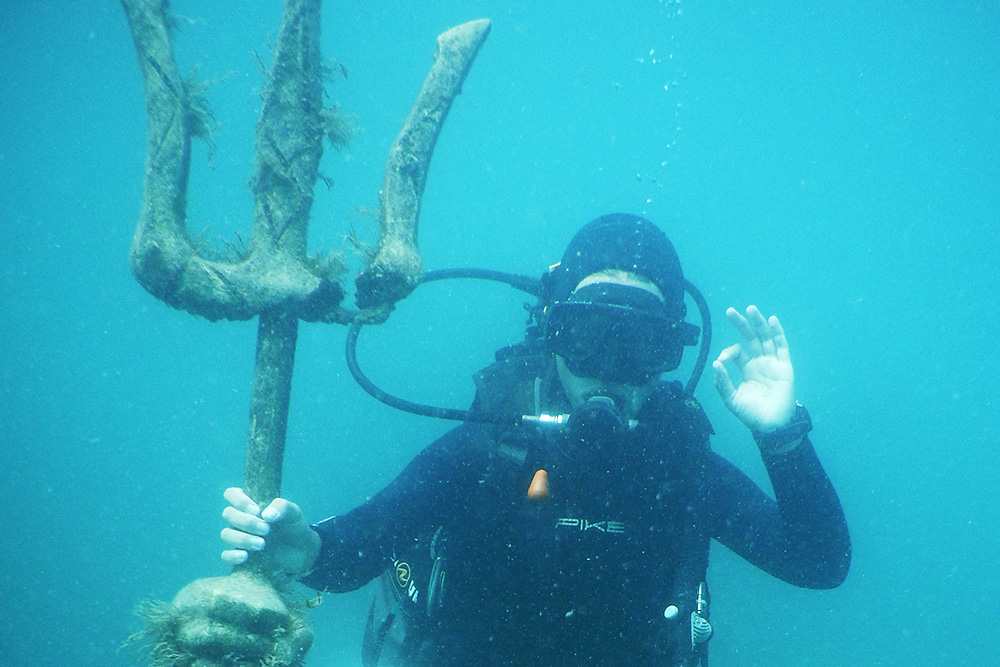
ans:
(617, 333)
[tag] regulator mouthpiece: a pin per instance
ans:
(599, 420)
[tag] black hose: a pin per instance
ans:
(532, 286)
(706, 337)
(525, 284)
(408, 406)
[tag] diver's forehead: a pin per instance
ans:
(618, 277)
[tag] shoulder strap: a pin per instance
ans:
(515, 383)
(511, 383)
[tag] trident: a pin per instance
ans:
(242, 618)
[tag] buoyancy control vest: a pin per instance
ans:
(523, 379)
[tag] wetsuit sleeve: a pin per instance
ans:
(800, 536)
(357, 546)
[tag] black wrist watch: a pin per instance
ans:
(787, 437)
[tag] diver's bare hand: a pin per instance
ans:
(765, 399)
(280, 531)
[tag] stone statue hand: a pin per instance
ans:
(236, 619)
(765, 399)
(280, 533)
(241, 618)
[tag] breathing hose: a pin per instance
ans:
(525, 284)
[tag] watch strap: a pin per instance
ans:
(786, 438)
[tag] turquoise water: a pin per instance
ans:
(834, 163)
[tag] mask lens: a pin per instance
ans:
(609, 342)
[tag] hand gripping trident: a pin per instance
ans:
(274, 280)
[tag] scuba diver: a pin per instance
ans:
(567, 520)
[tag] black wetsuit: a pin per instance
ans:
(584, 576)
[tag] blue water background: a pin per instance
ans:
(834, 163)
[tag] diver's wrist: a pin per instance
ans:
(785, 438)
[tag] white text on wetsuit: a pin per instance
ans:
(585, 524)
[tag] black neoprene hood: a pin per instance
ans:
(627, 243)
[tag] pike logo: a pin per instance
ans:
(605, 526)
